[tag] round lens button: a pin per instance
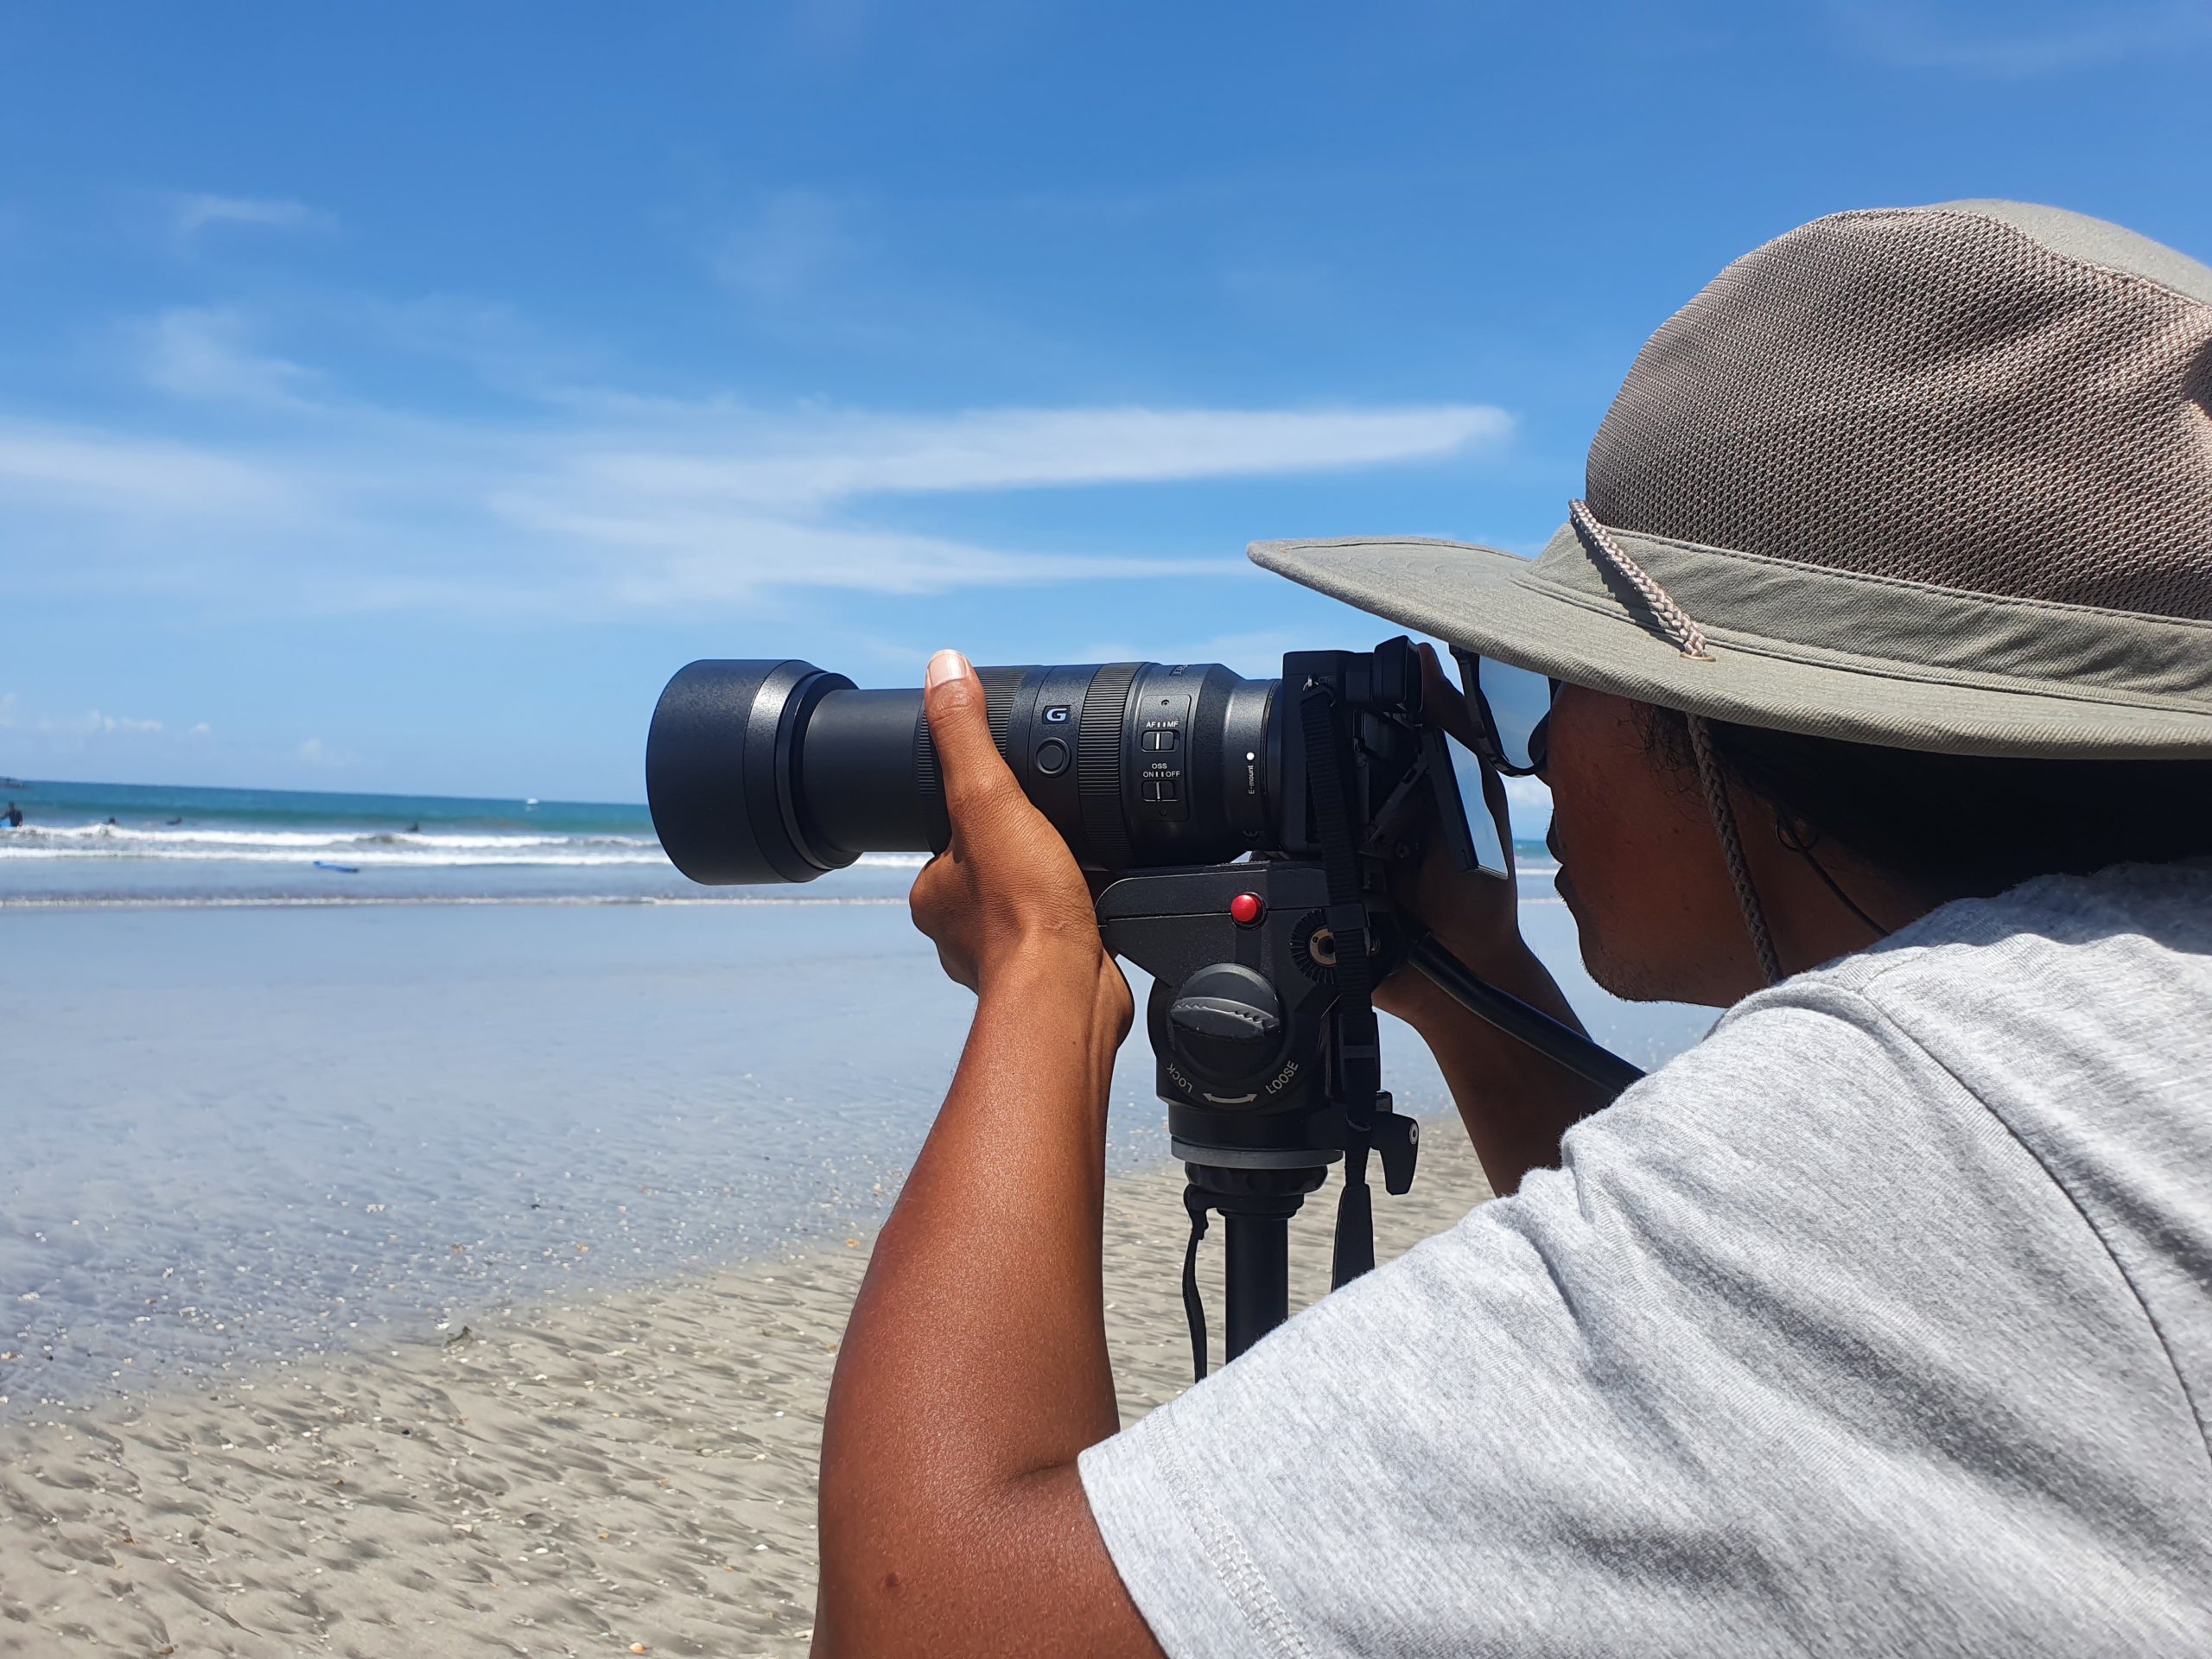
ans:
(1051, 757)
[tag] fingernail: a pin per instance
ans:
(945, 666)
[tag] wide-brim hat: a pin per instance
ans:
(1933, 478)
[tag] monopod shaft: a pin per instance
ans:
(1257, 1254)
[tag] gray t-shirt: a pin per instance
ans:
(1880, 1322)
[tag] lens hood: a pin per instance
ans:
(720, 772)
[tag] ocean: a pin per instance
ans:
(283, 1072)
(144, 844)
(154, 844)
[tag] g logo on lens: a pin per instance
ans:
(1057, 714)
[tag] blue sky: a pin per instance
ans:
(391, 396)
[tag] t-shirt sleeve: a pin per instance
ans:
(1798, 1351)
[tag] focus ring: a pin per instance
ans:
(1098, 766)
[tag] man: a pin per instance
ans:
(1879, 1322)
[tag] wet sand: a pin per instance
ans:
(628, 1473)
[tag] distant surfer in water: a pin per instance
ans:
(15, 815)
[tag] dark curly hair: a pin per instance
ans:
(1955, 826)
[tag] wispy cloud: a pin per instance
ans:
(71, 469)
(577, 503)
(94, 723)
(193, 213)
(2020, 42)
(795, 238)
(847, 456)
(206, 353)
(91, 724)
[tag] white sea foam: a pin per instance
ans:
(776, 897)
(360, 856)
(376, 850)
(151, 843)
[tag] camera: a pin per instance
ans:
(761, 772)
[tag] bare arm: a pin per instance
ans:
(975, 1367)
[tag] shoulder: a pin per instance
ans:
(2061, 980)
(2129, 926)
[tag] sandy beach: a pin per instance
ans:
(623, 1473)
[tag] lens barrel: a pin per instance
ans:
(761, 772)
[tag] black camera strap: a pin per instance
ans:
(1197, 1202)
(1357, 1051)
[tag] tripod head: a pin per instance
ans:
(1244, 1022)
(1240, 1018)
(1261, 1016)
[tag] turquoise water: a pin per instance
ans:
(147, 844)
(81, 841)
(143, 807)
(143, 843)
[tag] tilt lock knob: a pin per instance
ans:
(1226, 1022)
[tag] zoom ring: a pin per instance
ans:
(999, 687)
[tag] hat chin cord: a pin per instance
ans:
(1680, 627)
(1717, 802)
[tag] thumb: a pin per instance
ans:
(960, 727)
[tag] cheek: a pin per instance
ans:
(1616, 817)
(1585, 819)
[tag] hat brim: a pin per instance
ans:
(1797, 650)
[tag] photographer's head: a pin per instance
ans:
(1892, 584)
(1843, 842)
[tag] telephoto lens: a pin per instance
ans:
(761, 772)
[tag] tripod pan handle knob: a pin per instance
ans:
(1226, 1022)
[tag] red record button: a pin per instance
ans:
(1246, 908)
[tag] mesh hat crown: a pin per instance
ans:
(1939, 478)
(1941, 396)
